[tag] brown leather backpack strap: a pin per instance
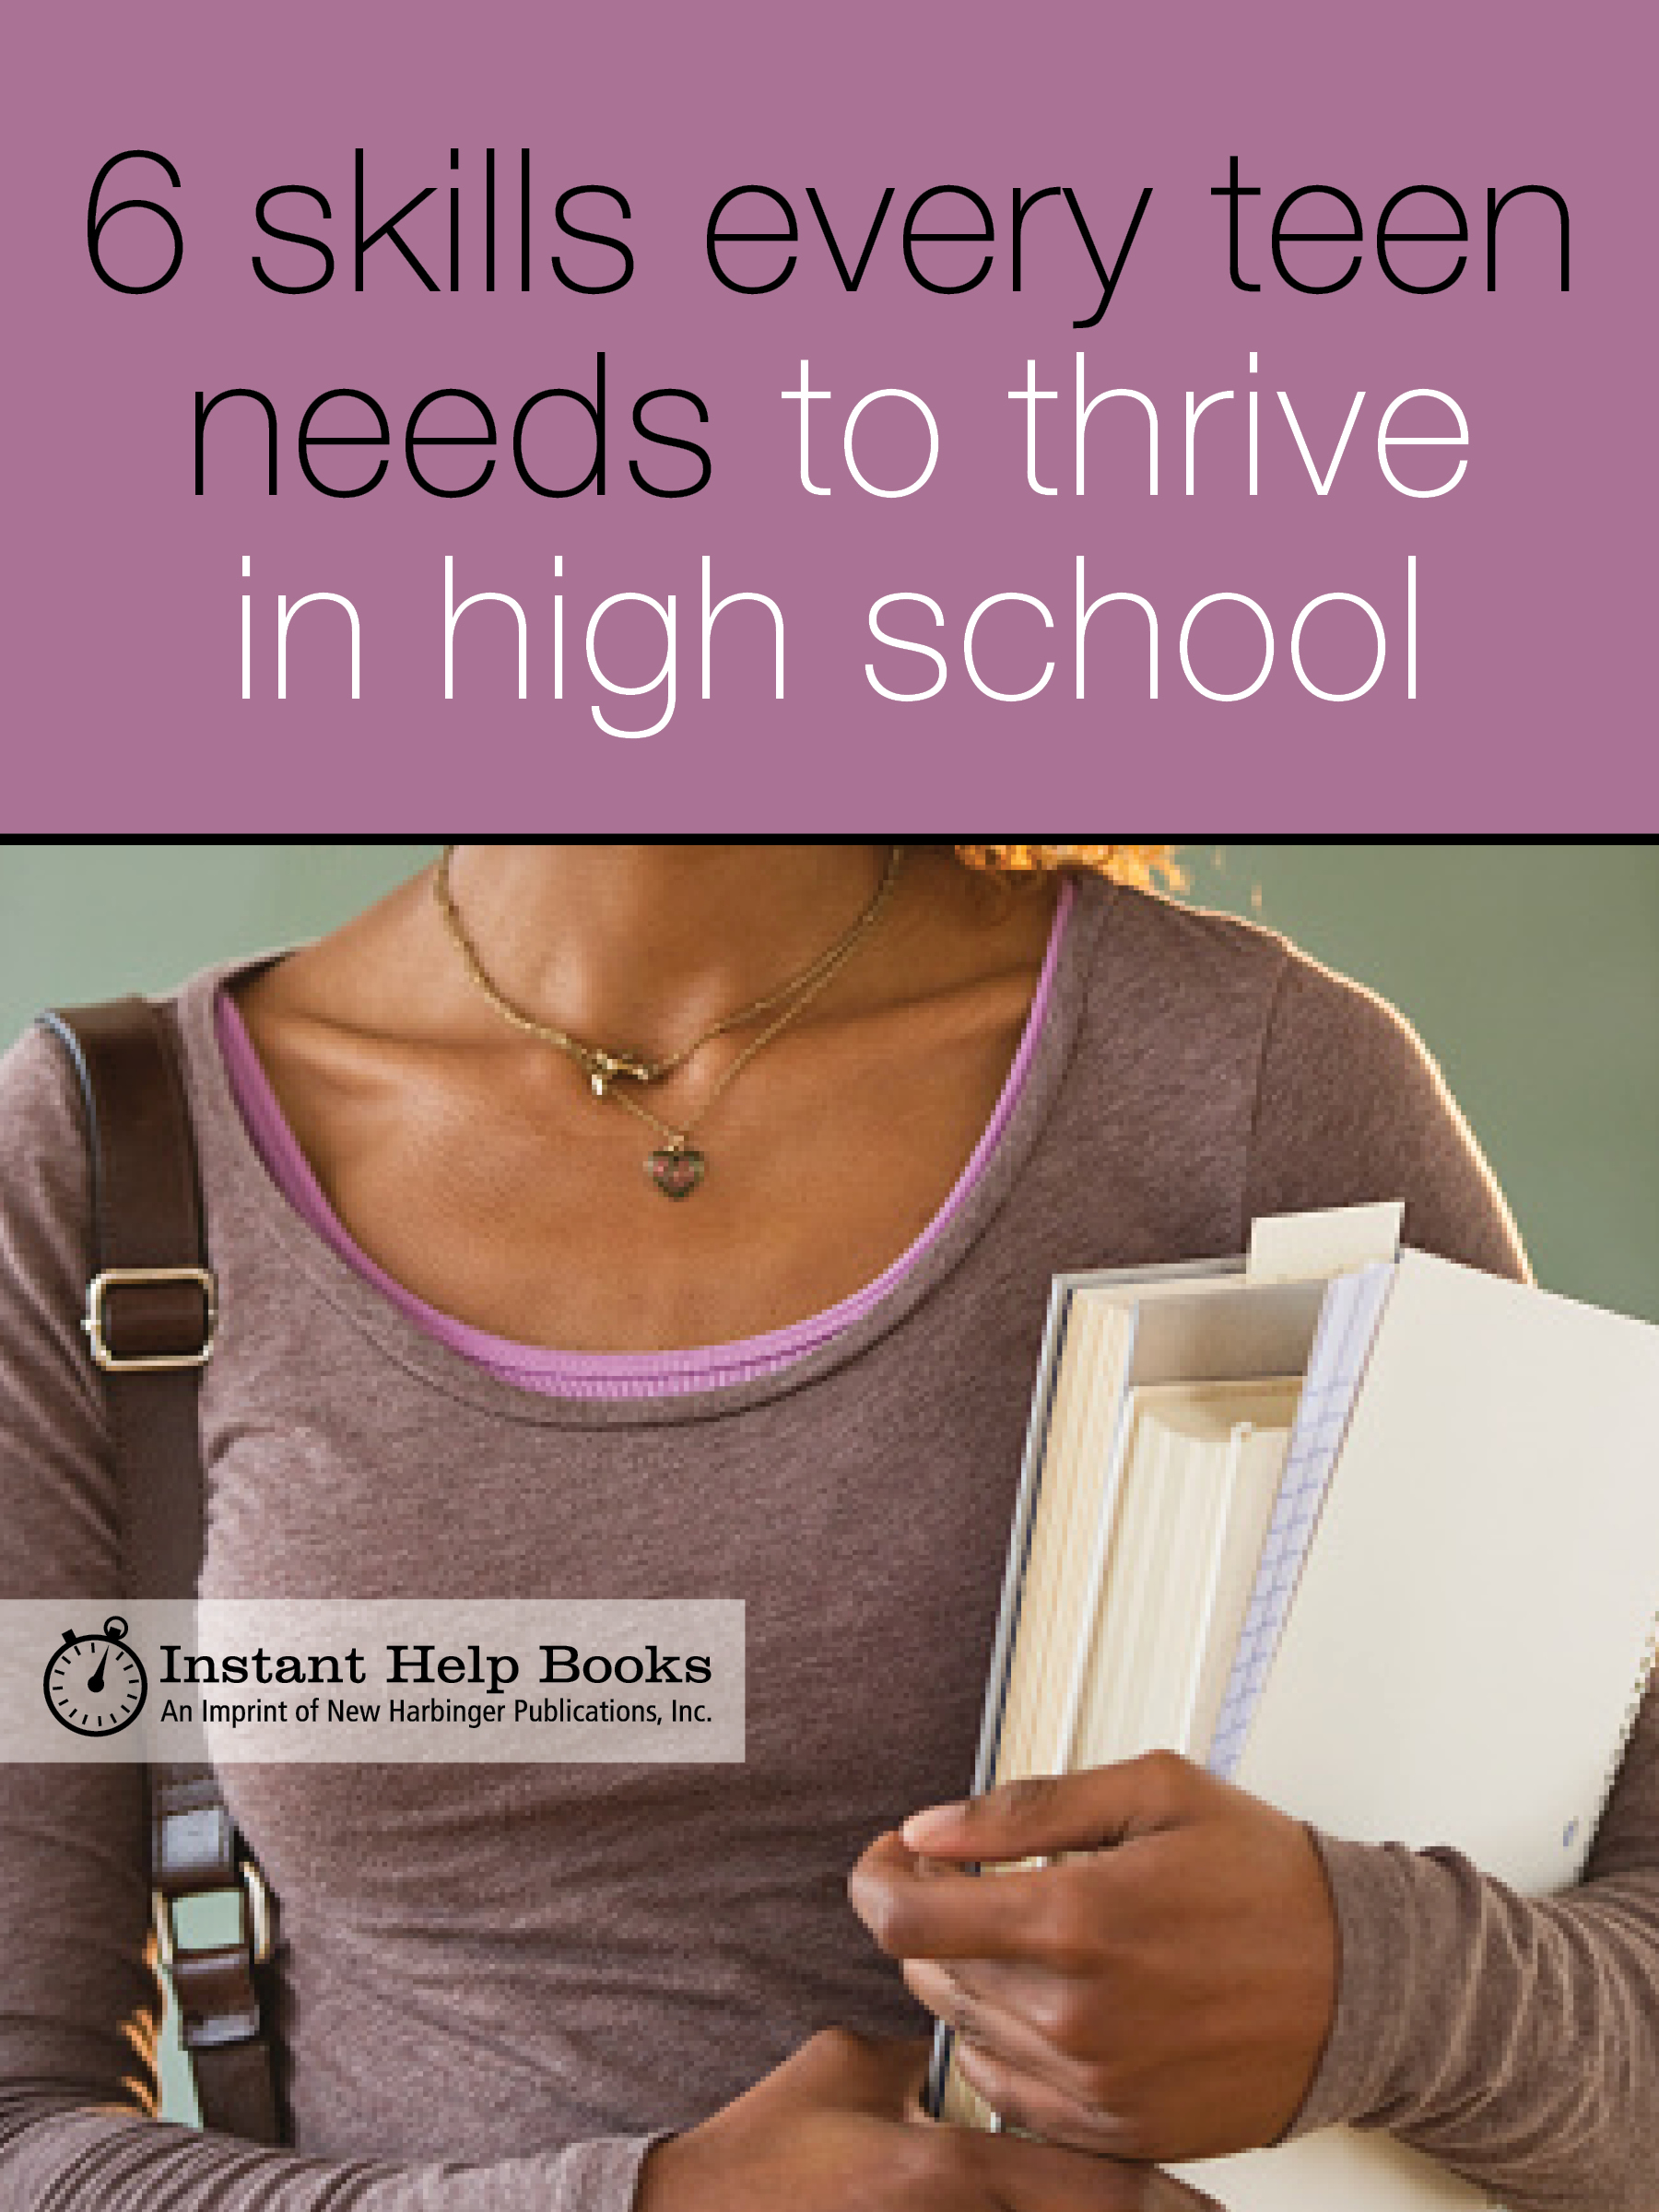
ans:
(151, 1314)
(149, 1301)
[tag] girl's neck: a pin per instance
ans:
(629, 945)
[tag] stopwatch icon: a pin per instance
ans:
(96, 1685)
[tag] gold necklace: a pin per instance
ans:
(675, 1166)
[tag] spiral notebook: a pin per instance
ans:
(1411, 1515)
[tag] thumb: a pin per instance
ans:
(900, 2070)
(1049, 1813)
(856, 2073)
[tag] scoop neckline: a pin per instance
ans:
(677, 1370)
(945, 1242)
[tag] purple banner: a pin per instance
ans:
(1087, 418)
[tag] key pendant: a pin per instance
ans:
(677, 1171)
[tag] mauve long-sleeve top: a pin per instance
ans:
(496, 1984)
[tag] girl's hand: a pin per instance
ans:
(1166, 1995)
(838, 2128)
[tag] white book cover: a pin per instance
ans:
(1470, 1631)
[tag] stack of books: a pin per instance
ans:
(1374, 1536)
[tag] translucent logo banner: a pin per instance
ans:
(382, 1681)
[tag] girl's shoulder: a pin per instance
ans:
(1268, 1082)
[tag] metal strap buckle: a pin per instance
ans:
(256, 1917)
(112, 1278)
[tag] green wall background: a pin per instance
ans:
(1532, 973)
(1531, 970)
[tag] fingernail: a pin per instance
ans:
(933, 1826)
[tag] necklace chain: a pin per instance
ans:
(608, 1070)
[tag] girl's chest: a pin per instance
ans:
(861, 1520)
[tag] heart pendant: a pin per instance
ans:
(676, 1174)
